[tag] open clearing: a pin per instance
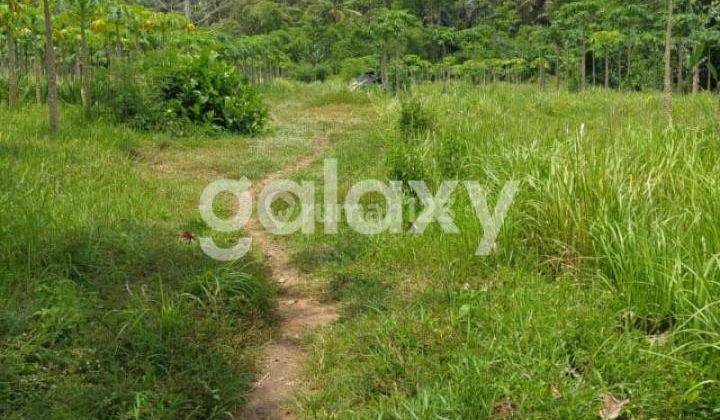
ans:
(599, 290)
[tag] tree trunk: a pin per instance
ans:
(12, 71)
(696, 80)
(709, 74)
(680, 75)
(37, 66)
(557, 75)
(50, 70)
(594, 71)
(86, 84)
(607, 71)
(667, 91)
(186, 9)
(583, 63)
(384, 70)
(628, 72)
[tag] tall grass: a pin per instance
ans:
(610, 247)
(607, 187)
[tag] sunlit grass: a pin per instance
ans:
(605, 278)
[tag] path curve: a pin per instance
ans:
(298, 313)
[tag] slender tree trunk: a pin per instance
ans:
(37, 66)
(628, 72)
(607, 71)
(680, 75)
(50, 70)
(709, 74)
(86, 84)
(384, 70)
(186, 9)
(696, 80)
(12, 70)
(583, 63)
(557, 75)
(667, 91)
(594, 71)
(397, 78)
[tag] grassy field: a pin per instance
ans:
(605, 280)
(104, 311)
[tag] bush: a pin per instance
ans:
(406, 162)
(205, 90)
(415, 118)
(130, 96)
(306, 72)
(176, 93)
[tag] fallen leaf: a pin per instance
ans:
(504, 409)
(555, 391)
(612, 407)
(187, 237)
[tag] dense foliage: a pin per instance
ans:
(205, 90)
(615, 43)
(107, 58)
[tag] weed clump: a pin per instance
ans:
(415, 118)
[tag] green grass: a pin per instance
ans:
(104, 312)
(605, 278)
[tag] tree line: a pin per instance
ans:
(622, 44)
(51, 43)
(611, 43)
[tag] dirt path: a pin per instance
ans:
(298, 312)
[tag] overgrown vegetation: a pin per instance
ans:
(604, 281)
(604, 286)
(151, 70)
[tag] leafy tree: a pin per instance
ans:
(577, 19)
(605, 43)
(389, 30)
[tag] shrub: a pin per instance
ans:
(307, 72)
(205, 90)
(415, 118)
(130, 96)
(405, 162)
